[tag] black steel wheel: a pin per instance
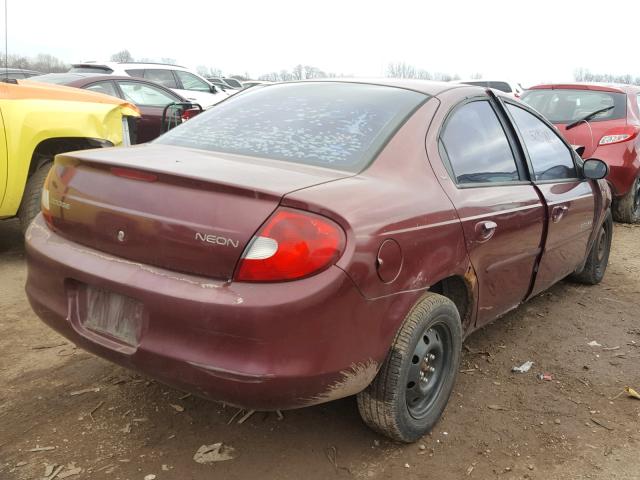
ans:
(598, 257)
(411, 389)
(427, 371)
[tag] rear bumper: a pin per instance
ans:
(260, 346)
(624, 165)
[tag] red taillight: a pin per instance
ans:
(292, 244)
(134, 174)
(189, 113)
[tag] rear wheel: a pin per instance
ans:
(598, 258)
(32, 196)
(412, 388)
(627, 208)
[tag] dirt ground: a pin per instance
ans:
(498, 424)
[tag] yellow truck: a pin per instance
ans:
(37, 122)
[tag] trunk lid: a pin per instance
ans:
(588, 136)
(194, 212)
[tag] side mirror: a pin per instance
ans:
(595, 169)
(214, 89)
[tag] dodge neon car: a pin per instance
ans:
(308, 241)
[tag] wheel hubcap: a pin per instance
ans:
(428, 369)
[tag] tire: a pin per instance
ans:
(627, 209)
(30, 206)
(598, 257)
(388, 405)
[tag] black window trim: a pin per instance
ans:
(577, 162)
(518, 157)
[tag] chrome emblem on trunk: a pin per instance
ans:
(217, 240)
(120, 236)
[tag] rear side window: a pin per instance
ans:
(550, 157)
(191, 82)
(476, 146)
(103, 87)
(136, 72)
(163, 77)
(330, 124)
(567, 105)
(145, 95)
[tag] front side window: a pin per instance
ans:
(337, 125)
(145, 95)
(191, 82)
(103, 87)
(550, 157)
(476, 146)
(163, 77)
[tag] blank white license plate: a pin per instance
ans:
(113, 315)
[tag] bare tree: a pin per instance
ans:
(404, 70)
(43, 62)
(584, 75)
(122, 56)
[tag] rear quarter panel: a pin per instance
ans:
(398, 198)
(31, 117)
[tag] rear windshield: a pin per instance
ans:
(567, 106)
(56, 78)
(335, 125)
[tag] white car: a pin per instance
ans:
(507, 86)
(181, 80)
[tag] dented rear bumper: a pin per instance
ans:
(259, 346)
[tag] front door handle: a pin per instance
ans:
(558, 212)
(485, 230)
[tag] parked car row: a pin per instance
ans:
(307, 241)
(150, 98)
(37, 122)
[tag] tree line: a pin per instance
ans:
(46, 63)
(585, 75)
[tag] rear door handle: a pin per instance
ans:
(558, 212)
(485, 230)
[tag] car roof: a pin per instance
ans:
(603, 87)
(428, 87)
(111, 65)
(71, 78)
(18, 70)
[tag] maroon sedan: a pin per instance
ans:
(307, 241)
(150, 97)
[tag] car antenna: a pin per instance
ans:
(6, 47)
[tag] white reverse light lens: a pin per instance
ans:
(45, 198)
(613, 139)
(262, 248)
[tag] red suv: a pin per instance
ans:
(604, 121)
(303, 242)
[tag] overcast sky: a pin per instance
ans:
(523, 41)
